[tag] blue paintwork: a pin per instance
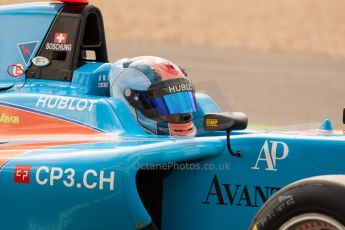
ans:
(327, 125)
(308, 156)
(121, 145)
(18, 29)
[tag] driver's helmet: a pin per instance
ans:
(159, 93)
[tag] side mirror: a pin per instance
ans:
(226, 122)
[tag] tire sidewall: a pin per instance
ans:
(311, 197)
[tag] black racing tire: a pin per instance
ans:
(319, 200)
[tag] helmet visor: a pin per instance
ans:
(170, 104)
(166, 98)
(177, 103)
(183, 102)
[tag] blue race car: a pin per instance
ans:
(89, 145)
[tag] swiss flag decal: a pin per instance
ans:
(60, 38)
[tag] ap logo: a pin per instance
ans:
(271, 152)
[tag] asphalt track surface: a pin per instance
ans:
(272, 89)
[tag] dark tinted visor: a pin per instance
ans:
(170, 97)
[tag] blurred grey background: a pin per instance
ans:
(280, 61)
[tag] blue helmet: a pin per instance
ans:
(158, 92)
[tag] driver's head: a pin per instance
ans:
(159, 93)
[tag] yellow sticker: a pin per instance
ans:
(211, 122)
(255, 227)
(6, 119)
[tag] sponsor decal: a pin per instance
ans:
(103, 85)
(18, 70)
(60, 38)
(53, 176)
(60, 43)
(211, 122)
(91, 179)
(102, 81)
(181, 88)
(63, 103)
(58, 47)
(15, 70)
(40, 61)
(6, 119)
(22, 174)
(270, 153)
(27, 50)
(226, 194)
